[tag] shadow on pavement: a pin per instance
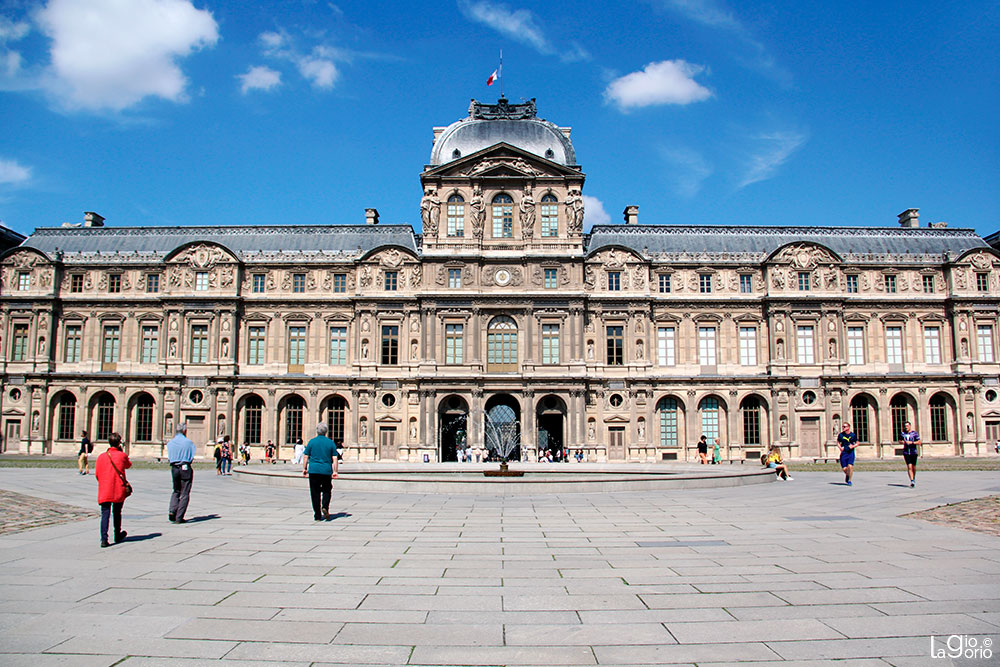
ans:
(339, 515)
(140, 538)
(204, 517)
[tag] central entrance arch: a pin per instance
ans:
(551, 416)
(453, 417)
(502, 428)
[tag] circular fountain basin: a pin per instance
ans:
(539, 478)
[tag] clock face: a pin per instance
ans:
(502, 277)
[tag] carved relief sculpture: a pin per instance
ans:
(527, 207)
(477, 210)
(430, 211)
(574, 212)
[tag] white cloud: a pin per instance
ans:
(110, 54)
(321, 72)
(707, 12)
(11, 31)
(664, 82)
(520, 25)
(774, 150)
(12, 173)
(272, 40)
(593, 212)
(689, 169)
(259, 78)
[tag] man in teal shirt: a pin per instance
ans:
(319, 463)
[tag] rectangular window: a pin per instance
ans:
(454, 278)
(932, 345)
(856, 345)
(983, 282)
(746, 283)
(614, 281)
(23, 281)
(616, 345)
(150, 345)
(456, 217)
(803, 281)
(939, 420)
(454, 343)
(19, 346)
(76, 283)
(391, 280)
(894, 345)
(664, 283)
(258, 283)
(296, 346)
(550, 218)
(201, 281)
(199, 343)
(890, 284)
(984, 338)
(152, 283)
(338, 346)
(705, 283)
(503, 217)
(852, 284)
(390, 345)
(550, 343)
(298, 283)
(112, 344)
(748, 346)
(706, 346)
(928, 284)
(665, 350)
(115, 283)
(551, 276)
(340, 283)
(859, 414)
(74, 338)
(804, 343)
(255, 346)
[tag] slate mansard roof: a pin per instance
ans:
(247, 243)
(756, 244)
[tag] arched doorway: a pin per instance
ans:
(502, 428)
(453, 417)
(551, 416)
(102, 416)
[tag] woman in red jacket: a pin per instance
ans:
(111, 487)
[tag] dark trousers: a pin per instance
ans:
(320, 487)
(182, 490)
(109, 510)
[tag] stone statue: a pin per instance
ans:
(574, 212)
(225, 348)
(638, 350)
(833, 349)
(413, 350)
(430, 211)
(590, 350)
(527, 206)
(363, 434)
(364, 349)
(591, 431)
(642, 431)
(477, 209)
(173, 347)
(413, 430)
(783, 428)
(781, 349)
(41, 346)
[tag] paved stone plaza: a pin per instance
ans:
(801, 573)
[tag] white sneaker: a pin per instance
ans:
(790, 479)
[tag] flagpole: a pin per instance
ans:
(500, 74)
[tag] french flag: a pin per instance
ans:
(492, 79)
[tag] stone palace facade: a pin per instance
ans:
(628, 342)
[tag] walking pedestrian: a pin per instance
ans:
(847, 441)
(320, 464)
(227, 456)
(298, 452)
(180, 451)
(218, 457)
(910, 440)
(703, 450)
(716, 453)
(86, 447)
(111, 487)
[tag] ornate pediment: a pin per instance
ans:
(202, 256)
(804, 255)
(502, 161)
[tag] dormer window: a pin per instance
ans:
(550, 154)
(503, 217)
(455, 154)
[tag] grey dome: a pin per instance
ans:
(490, 124)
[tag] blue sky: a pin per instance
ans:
(220, 112)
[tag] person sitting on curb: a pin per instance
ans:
(773, 460)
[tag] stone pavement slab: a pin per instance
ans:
(804, 573)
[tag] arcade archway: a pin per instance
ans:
(453, 417)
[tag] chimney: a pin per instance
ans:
(91, 219)
(909, 218)
(371, 216)
(631, 215)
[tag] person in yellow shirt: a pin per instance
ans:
(774, 461)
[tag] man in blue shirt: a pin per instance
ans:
(319, 462)
(180, 452)
(847, 441)
(910, 439)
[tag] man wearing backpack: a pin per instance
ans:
(86, 447)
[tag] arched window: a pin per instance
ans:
(253, 417)
(67, 416)
(456, 216)
(861, 416)
(666, 409)
(709, 408)
(550, 216)
(105, 416)
(939, 418)
(501, 344)
(898, 414)
(503, 217)
(336, 412)
(144, 418)
(751, 420)
(294, 409)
